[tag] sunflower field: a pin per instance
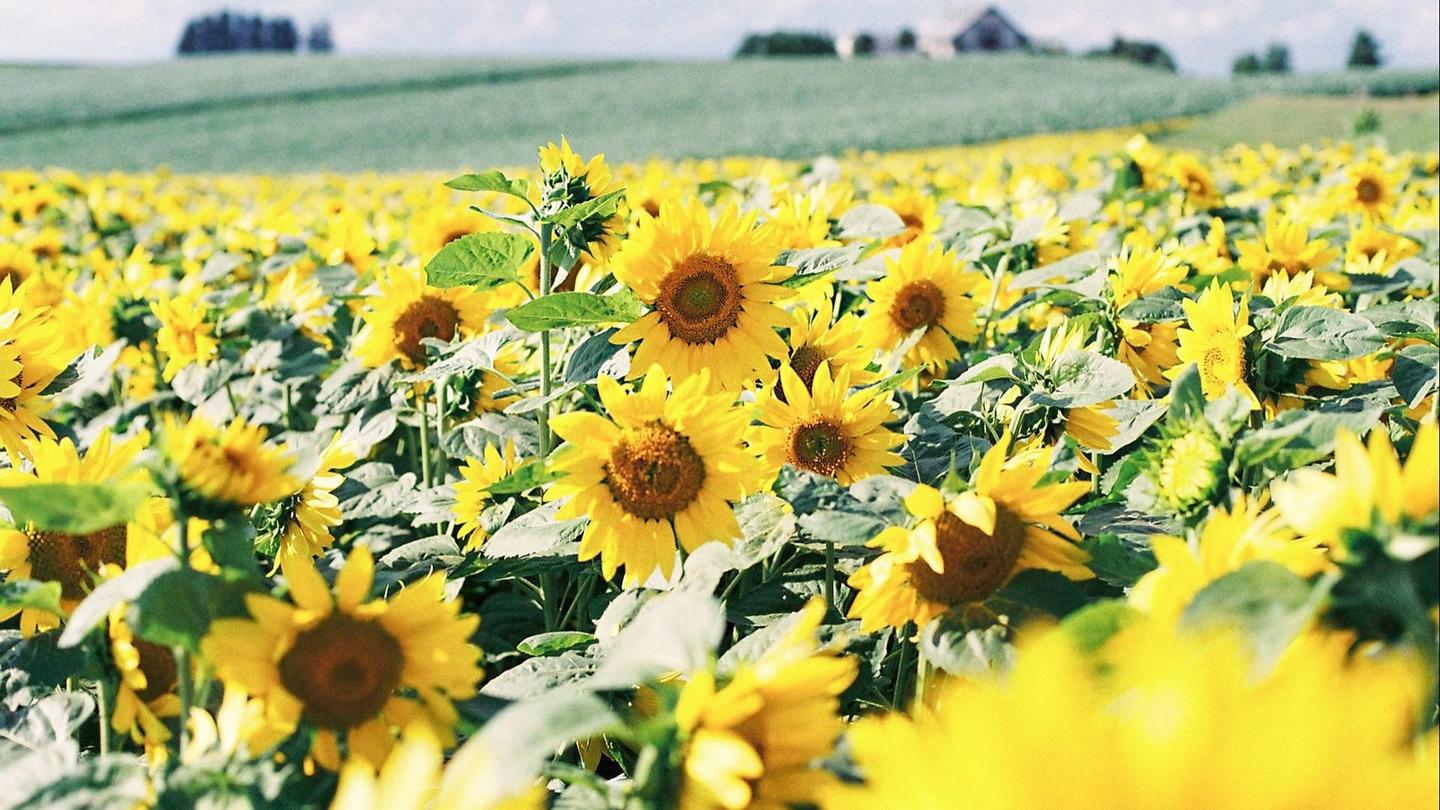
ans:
(1070, 471)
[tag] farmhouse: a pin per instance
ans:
(963, 29)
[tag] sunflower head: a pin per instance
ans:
(405, 311)
(233, 465)
(472, 493)
(822, 428)
(1214, 341)
(1186, 467)
(925, 290)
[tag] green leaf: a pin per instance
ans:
(125, 588)
(27, 594)
(178, 607)
(1084, 378)
(1322, 333)
(1299, 437)
(595, 356)
(112, 780)
(813, 264)
(967, 653)
(526, 476)
(1050, 591)
(1416, 373)
(1093, 625)
(73, 508)
(535, 534)
(842, 527)
(1405, 319)
(493, 180)
(1117, 562)
(999, 367)
(1263, 601)
(483, 261)
(869, 221)
(566, 309)
(542, 644)
(674, 632)
(602, 207)
(766, 524)
(1157, 307)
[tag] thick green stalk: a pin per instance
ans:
(102, 706)
(830, 576)
(546, 280)
(424, 440)
(440, 461)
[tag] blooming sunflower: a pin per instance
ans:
(570, 179)
(1195, 179)
(918, 211)
(824, 429)
(29, 362)
(925, 290)
(415, 777)
(1214, 340)
(816, 337)
(352, 667)
(404, 310)
(711, 286)
(753, 742)
(310, 514)
(233, 465)
(660, 469)
(1285, 246)
(145, 698)
(965, 548)
(299, 295)
(472, 491)
(1227, 539)
(74, 561)
(185, 337)
(1369, 189)
(1369, 488)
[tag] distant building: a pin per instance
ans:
(960, 31)
(967, 30)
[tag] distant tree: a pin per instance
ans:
(1149, 54)
(226, 32)
(864, 44)
(1277, 58)
(1364, 51)
(786, 43)
(907, 40)
(319, 40)
(1246, 64)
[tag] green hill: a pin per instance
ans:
(355, 113)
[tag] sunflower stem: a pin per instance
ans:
(922, 668)
(546, 273)
(995, 278)
(102, 707)
(830, 576)
(424, 440)
(440, 460)
(901, 668)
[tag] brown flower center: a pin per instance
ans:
(1367, 191)
(654, 473)
(819, 446)
(805, 362)
(71, 559)
(1221, 364)
(700, 301)
(430, 317)
(976, 564)
(158, 665)
(917, 304)
(343, 670)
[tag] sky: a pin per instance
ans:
(1204, 36)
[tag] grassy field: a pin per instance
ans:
(1405, 123)
(349, 114)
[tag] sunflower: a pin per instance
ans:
(824, 429)
(352, 667)
(660, 470)
(145, 698)
(310, 514)
(1369, 190)
(415, 777)
(184, 337)
(923, 290)
(919, 213)
(1195, 180)
(29, 361)
(570, 180)
(754, 741)
(1228, 539)
(710, 285)
(472, 492)
(299, 296)
(1092, 427)
(17, 264)
(816, 337)
(74, 561)
(1285, 246)
(965, 548)
(1377, 249)
(404, 310)
(490, 395)
(1369, 491)
(1214, 340)
(233, 465)
(1138, 272)
(346, 239)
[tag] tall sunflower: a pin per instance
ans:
(29, 361)
(825, 429)
(354, 668)
(660, 470)
(310, 514)
(1214, 340)
(1369, 490)
(1369, 189)
(924, 290)
(964, 548)
(710, 285)
(472, 492)
(754, 741)
(74, 561)
(404, 310)
(569, 179)
(234, 464)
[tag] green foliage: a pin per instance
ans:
(1364, 51)
(786, 43)
(482, 261)
(79, 508)
(567, 309)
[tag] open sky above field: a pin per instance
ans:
(1204, 37)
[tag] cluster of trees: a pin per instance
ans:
(226, 32)
(1149, 54)
(788, 43)
(1364, 54)
(866, 43)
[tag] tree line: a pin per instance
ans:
(227, 33)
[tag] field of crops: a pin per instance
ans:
(1071, 471)
(270, 114)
